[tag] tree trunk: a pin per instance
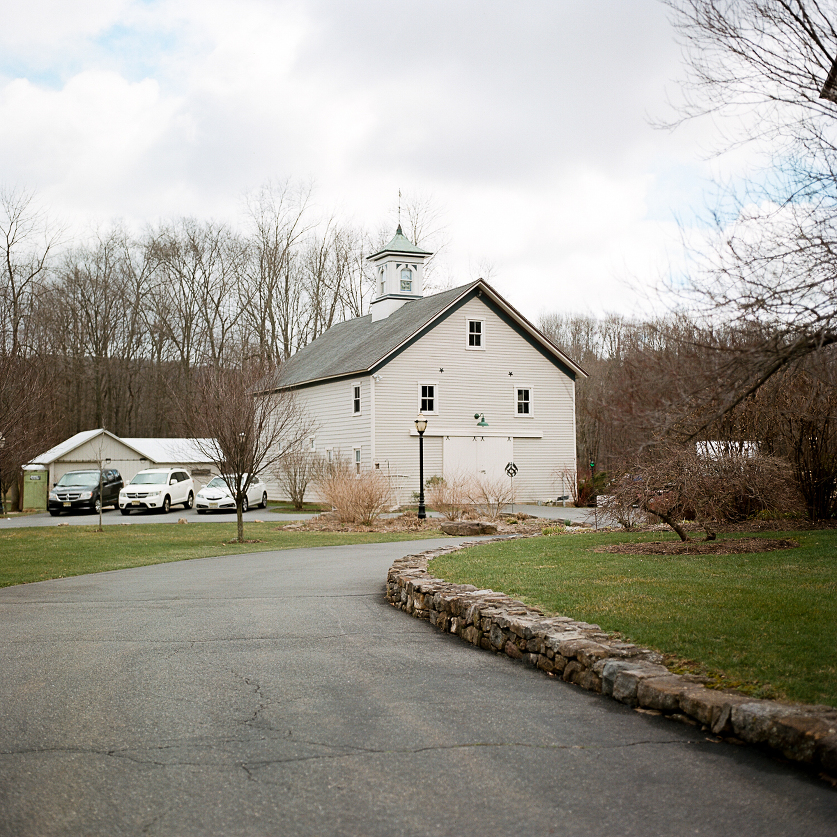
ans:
(668, 520)
(239, 520)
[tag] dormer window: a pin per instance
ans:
(407, 280)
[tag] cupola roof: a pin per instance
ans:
(400, 244)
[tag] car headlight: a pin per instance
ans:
(154, 493)
(53, 495)
(85, 495)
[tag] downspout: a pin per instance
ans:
(574, 475)
(372, 421)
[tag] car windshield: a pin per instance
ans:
(217, 482)
(150, 479)
(86, 478)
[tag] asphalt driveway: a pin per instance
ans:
(112, 517)
(278, 694)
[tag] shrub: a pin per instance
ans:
(355, 498)
(676, 482)
(297, 469)
(489, 496)
(448, 496)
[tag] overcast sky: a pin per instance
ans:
(527, 123)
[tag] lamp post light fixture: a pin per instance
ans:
(421, 426)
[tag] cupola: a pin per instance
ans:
(399, 275)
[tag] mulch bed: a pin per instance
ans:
(731, 546)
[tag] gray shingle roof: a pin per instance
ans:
(355, 346)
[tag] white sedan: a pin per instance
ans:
(218, 495)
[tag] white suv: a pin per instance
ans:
(159, 489)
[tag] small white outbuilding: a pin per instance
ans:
(90, 448)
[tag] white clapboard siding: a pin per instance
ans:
(477, 382)
(335, 427)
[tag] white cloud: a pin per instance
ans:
(527, 124)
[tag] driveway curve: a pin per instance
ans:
(278, 694)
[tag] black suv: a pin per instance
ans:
(80, 490)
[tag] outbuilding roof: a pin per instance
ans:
(63, 448)
(172, 450)
(154, 450)
(357, 346)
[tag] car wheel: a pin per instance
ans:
(125, 511)
(166, 504)
(54, 512)
(244, 505)
(263, 504)
(97, 506)
(190, 501)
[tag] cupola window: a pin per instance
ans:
(407, 280)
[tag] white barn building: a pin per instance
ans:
(448, 357)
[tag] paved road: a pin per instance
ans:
(111, 517)
(277, 694)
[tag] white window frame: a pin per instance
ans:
(468, 346)
(435, 410)
(359, 399)
(401, 279)
(313, 443)
(357, 459)
(531, 390)
(330, 455)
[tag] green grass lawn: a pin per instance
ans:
(765, 623)
(39, 553)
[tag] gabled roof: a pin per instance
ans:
(154, 450)
(172, 450)
(68, 445)
(357, 346)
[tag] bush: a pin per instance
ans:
(489, 496)
(676, 482)
(355, 498)
(449, 496)
(296, 470)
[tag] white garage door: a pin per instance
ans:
(485, 456)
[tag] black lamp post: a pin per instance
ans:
(421, 426)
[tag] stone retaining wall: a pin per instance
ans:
(583, 654)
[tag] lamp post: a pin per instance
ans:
(421, 426)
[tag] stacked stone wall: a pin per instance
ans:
(583, 654)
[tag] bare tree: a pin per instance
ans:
(26, 245)
(243, 434)
(275, 310)
(756, 68)
(795, 416)
(27, 417)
